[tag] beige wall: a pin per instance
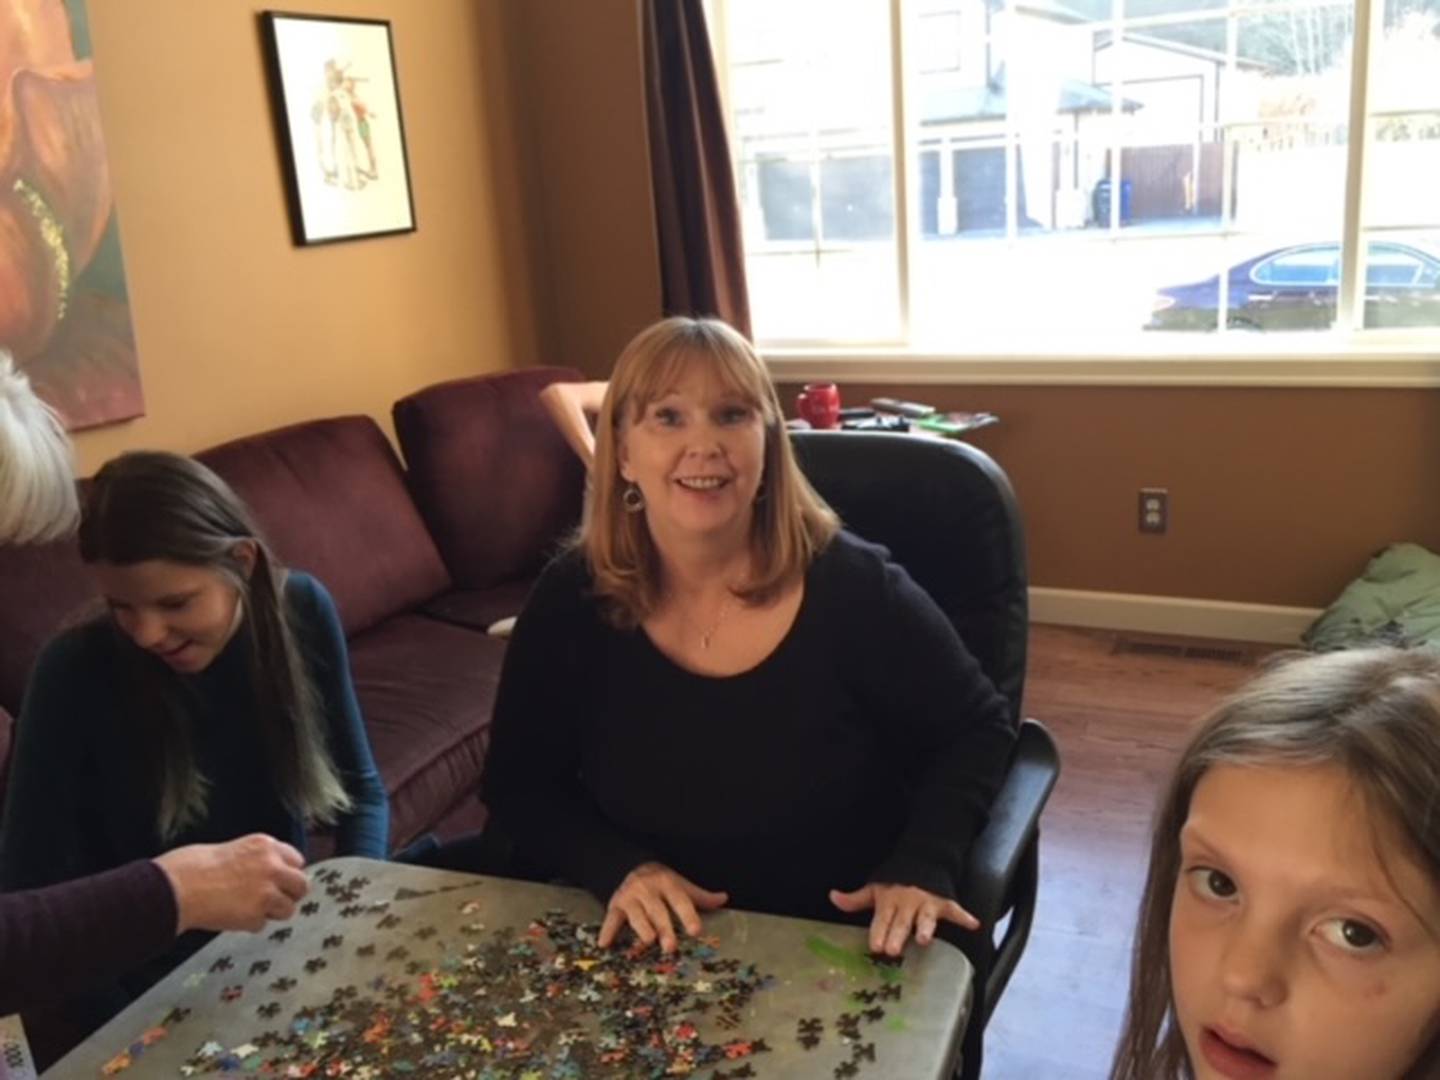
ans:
(580, 102)
(1276, 496)
(237, 329)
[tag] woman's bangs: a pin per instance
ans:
(735, 376)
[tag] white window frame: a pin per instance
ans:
(1347, 356)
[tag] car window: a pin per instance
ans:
(1306, 266)
(1390, 265)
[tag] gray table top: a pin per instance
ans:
(401, 971)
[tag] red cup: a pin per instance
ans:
(819, 404)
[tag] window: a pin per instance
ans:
(1396, 267)
(1307, 266)
(962, 175)
(811, 105)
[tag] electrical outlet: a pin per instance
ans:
(1154, 510)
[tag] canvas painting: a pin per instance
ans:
(64, 307)
(342, 135)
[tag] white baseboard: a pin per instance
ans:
(1268, 623)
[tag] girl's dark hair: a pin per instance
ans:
(148, 505)
(1374, 713)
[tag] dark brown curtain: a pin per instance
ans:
(702, 261)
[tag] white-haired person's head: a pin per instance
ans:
(37, 465)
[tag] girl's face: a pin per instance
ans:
(698, 455)
(1295, 950)
(183, 614)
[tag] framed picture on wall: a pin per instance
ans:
(341, 134)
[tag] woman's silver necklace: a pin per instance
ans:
(706, 636)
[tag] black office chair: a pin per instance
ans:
(948, 515)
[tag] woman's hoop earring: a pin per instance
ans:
(633, 499)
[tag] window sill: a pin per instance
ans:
(1320, 364)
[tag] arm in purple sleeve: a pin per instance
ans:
(63, 939)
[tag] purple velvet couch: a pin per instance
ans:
(419, 560)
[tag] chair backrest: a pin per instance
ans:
(948, 515)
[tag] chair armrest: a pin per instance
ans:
(7, 736)
(996, 856)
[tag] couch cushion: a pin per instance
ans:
(479, 608)
(467, 818)
(330, 496)
(44, 588)
(426, 689)
(491, 473)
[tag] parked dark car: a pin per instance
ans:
(1294, 288)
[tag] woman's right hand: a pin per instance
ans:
(236, 886)
(646, 899)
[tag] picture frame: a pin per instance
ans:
(339, 124)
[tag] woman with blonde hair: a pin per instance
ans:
(717, 696)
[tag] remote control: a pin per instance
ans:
(912, 409)
(877, 422)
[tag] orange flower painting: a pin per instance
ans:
(64, 308)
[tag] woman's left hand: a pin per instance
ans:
(902, 910)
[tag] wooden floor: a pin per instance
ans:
(1120, 709)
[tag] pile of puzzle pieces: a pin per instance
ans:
(545, 1003)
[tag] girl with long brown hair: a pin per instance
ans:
(210, 701)
(1290, 925)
